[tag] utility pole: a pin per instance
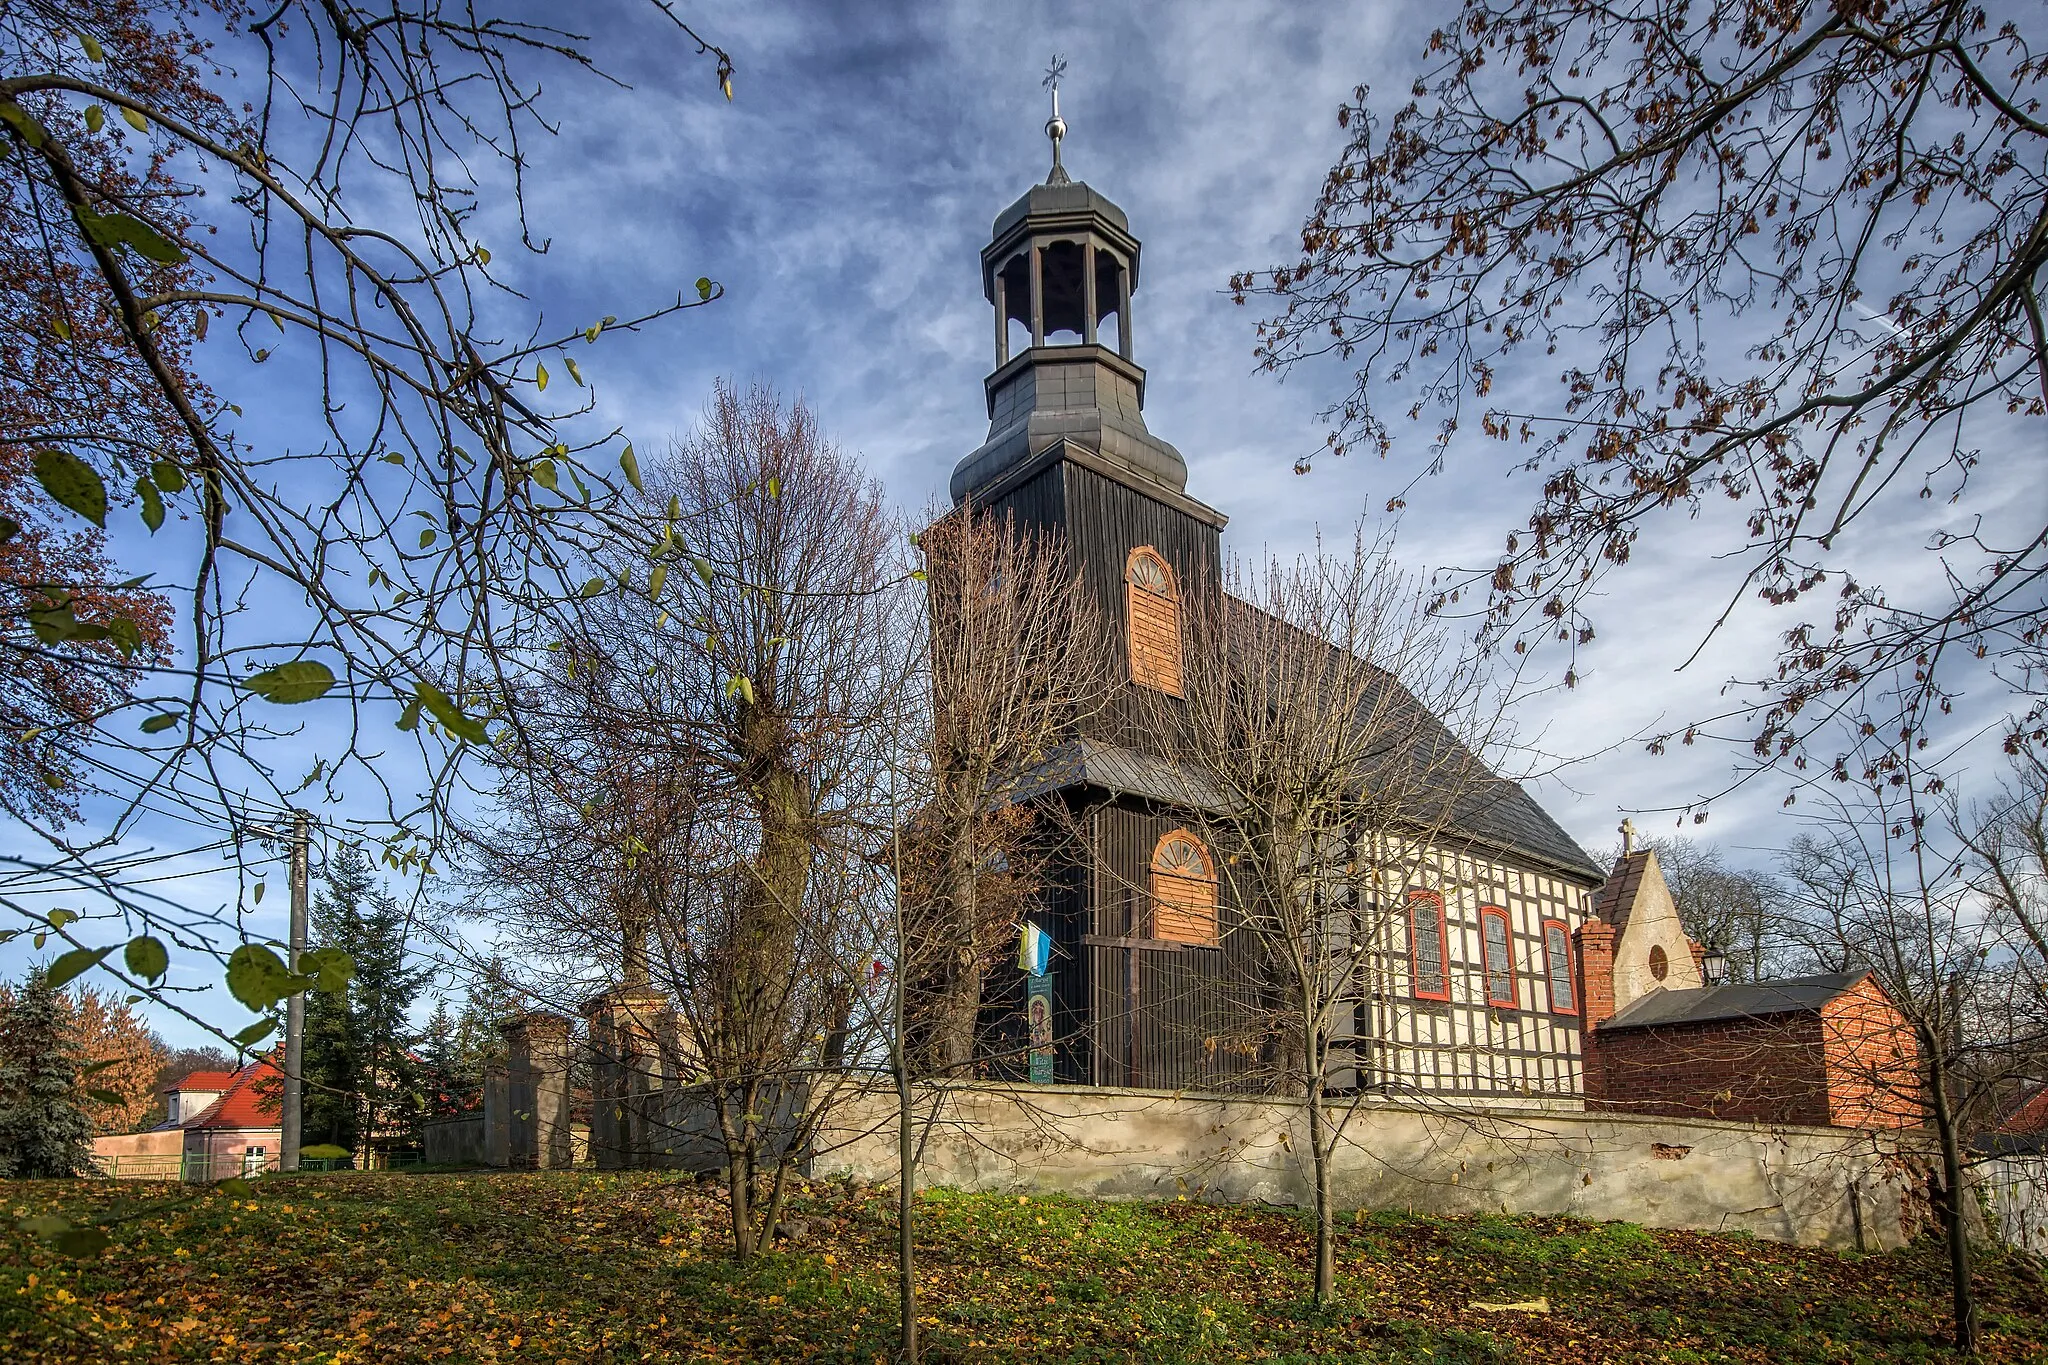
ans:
(295, 1007)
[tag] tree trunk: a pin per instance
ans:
(958, 1008)
(1953, 1206)
(906, 1207)
(1319, 1160)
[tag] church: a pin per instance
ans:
(1472, 993)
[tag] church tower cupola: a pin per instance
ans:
(1060, 270)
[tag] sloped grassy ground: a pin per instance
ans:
(583, 1267)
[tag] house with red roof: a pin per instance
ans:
(217, 1124)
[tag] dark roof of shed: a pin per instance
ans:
(1751, 1000)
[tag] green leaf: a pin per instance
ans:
(593, 587)
(257, 977)
(301, 680)
(152, 504)
(44, 1225)
(918, 575)
(260, 887)
(483, 255)
(703, 287)
(451, 716)
(543, 472)
(631, 465)
(540, 377)
(75, 964)
(427, 537)
(743, 685)
(95, 118)
(17, 118)
(162, 721)
(409, 718)
(655, 579)
(94, 1068)
(774, 486)
(106, 1097)
(60, 918)
(9, 529)
(74, 483)
(702, 566)
(331, 968)
(255, 1033)
(146, 957)
(574, 373)
(234, 1186)
(126, 635)
(110, 230)
(168, 476)
(134, 119)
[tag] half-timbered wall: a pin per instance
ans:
(1466, 1046)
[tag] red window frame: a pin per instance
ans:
(1429, 899)
(1552, 963)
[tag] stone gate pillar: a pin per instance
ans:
(537, 1076)
(631, 1042)
(497, 1116)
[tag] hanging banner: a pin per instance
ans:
(1038, 1011)
(1034, 950)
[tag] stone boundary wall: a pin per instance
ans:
(453, 1142)
(2015, 1190)
(1832, 1187)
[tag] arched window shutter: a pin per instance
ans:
(1183, 891)
(1152, 609)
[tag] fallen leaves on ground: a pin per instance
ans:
(583, 1267)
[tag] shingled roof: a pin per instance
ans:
(1751, 1000)
(1487, 810)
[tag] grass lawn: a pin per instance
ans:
(583, 1267)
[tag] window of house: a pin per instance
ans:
(1183, 891)
(1153, 612)
(1496, 947)
(1429, 962)
(1557, 967)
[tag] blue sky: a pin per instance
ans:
(843, 197)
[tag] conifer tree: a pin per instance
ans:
(44, 1132)
(362, 1082)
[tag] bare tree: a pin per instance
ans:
(689, 793)
(1330, 736)
(1018, 659)
(1786, 256)
(1890, 877)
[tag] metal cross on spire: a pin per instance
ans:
(1056, 127)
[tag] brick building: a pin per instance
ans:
(1828, 1050)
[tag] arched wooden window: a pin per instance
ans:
(1429, 959)
(1183, 890)
(1152, 609)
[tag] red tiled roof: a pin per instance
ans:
(203, 1080)
(2029, 1117)
(248, 1103)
